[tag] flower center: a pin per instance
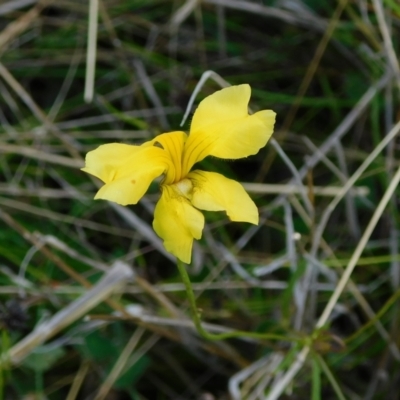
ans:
(184, 188)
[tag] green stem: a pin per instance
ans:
(219, 336)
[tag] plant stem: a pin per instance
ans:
(219, 336)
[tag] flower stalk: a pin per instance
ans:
(219, 336)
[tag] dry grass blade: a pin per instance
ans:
(15, 28)
(41, 155)
(93, 15)
(283, 382)
(120, 364)
(118, 275)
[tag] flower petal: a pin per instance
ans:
(172, 143)
(223, 105)
(106, 159)
(214, 192)
(177, 222)
(222, 127)
(126, 170)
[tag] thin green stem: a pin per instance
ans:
(331, 378)
(220, 336)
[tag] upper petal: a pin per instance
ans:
(172, 143)
(177, 222)
(223, 105)
(222, 127)
(126, 170)
(214, 192)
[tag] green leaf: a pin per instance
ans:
(133, 373)
(43, 358)
(100, 348)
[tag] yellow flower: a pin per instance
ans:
(221, 127)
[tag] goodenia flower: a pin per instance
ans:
(221, 127)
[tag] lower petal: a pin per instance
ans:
(177, 222)
(214, 192)
(129, 189)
